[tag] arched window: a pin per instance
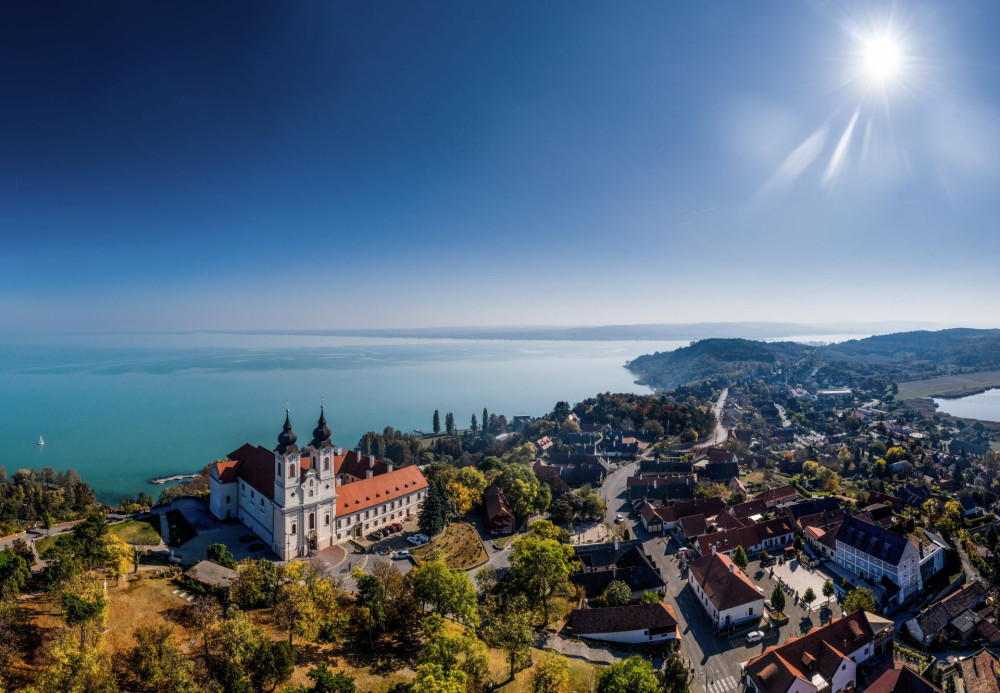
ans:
(327, 521)
(294, 528)
(326, 464)
(291, 470)
(312, 521)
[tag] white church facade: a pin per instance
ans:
(297, 500)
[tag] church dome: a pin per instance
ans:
(287, 438)
(321, 434)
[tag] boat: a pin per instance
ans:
(41, 441)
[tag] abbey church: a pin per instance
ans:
(301, 499)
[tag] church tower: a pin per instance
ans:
(322, 450)
(287, 467)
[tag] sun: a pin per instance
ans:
(882, 58)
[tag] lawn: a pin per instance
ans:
(141, 532)
(949, 385)
(459, 545)
(581, 674)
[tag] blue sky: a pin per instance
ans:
(327, 164)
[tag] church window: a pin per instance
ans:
(291, 470)
(227, 499)
(312, 521)
(326, 464)
(326, 522)
(310, 493)
(294, 528)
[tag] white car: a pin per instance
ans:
(399, 555)
(755, 636)
(619, 518)
(415, 540)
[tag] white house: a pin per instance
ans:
(724, 591)
(872, 553)
(634, 623)
(298, 500)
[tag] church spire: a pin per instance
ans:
(321, 434)
(287, 438)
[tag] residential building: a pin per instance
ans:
(979, 672)
(634, 624)
(902, 680)
(621, 560)
(881, 556)
(949, 618)
(824, 659)
(499, 516)
(725, 592)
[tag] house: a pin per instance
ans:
(779, 495)
(303, 499)
(749, 510)
(979, 672)
(879, 497)
(621, 560)
(736, 486)
(725, 592)
(790, 466)
(879, 514)
(544, 443)
(651, 518)
(211, 574)
(912, 495)
(903, 680)
(753, 537)
(664, 467)
(726, 520)
(692, 526)
(634, 623)
(709, 507)
(499, 517)
(822, 540)
(810, 506)
(824, 659)
(938, 619)
(878, 555)
(676, 487)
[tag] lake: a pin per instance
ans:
(123, 409)
(985, 406)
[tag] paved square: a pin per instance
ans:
(800, 578)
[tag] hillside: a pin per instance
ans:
(904, 355)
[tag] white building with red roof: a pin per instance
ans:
(297, 500)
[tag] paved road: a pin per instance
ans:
(721, 433)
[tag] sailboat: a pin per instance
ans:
(41, 441)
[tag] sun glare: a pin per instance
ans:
(882, 58)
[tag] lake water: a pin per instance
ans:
(124, 409)
(985, 406)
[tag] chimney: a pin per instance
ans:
(371, 461)
(616, 543)
(369, 473)
(388, 466)
(730, 566)
(654, 482)
(713, 549)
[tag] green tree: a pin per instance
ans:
(369, 605)
(158, 662)
(778, 598)
(89, 539)
(219, 553)
(740, 557)
(828, 589)
(255, 585)
(617, 593)
(273, 663)
(649, 597)
(797, 543)
(325, 681)
(446, 591)
(860, 598)
(433, 678)
(449, 423)
(486, 421)
(437, 422)
(551, 674)
(434, 512)
(473, 425)
(509, 629)
(524, 492)
(632, 675)
(809, 596)
(675, 677)
(539, 569)
(950, 686)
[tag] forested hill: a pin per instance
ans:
(901, 355)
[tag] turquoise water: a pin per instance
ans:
(985, 406)
(124, 409)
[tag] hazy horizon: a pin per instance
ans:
(345, 165)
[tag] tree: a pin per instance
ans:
(369, 606)
(675, 677)
(778, 598)
(828, 589)
(551, 674)
(449, 423)
(433, 513)
(539, 569)
(860, 598)
(950, 686)
(462, 498)
(809, 596)
(84, 604)
(88, 537)
(273, 663)
(486, 421)
(649, 597)
(740, 557)
(447, 591)
(797, 543)
(219, 553)
(433, 678)
(325, 681)
(158, 662)
(207, 615)
(473, 425)
(617, 593)
(632, 675)
(524, 492)
(255, 585)
(462, 652)
(76, 670)
(509, 630)
(437, 422)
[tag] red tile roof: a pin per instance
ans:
(256, 467)
(367, 493)
(904, 680)
(725, 585)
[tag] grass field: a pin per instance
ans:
(141, 532)
(949, 385)
(459, 545)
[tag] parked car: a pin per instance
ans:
(755, 636)
(247, 538)
(422, 537)
(619, 518)
(259, 546)
(399, 555)
(395, 526)
(768, 605)
(415, 540)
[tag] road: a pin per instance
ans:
(720, 435)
